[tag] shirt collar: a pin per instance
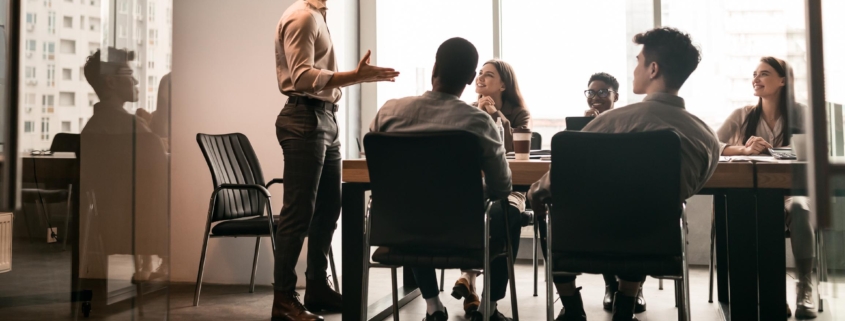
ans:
(316, 4)
(669, 99)
(439, 95)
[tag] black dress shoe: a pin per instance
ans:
(640, 307)
(437, 316)
(609, 292)
(623, 307)
(319, 296)
(286, 307)
(573, 308)
(495, 316)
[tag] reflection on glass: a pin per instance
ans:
(93, 219)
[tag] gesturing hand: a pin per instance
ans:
(486, 103)
(367, 73)
(592, 113)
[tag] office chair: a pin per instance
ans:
(429, 210)
(637, 230)
(239, 199)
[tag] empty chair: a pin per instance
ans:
(239, 199)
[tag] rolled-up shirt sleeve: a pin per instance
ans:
(298, 36)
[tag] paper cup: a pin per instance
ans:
(521, 143)
(799, 146)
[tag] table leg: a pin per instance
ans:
(742, 254)
(720, 212)
(771, 254)
(353, 247)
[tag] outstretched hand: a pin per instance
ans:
(368, 73)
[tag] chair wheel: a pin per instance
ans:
(86, 309)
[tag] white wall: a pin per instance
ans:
(223, 82)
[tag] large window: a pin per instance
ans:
(416, 29)
(733, 36)
(554, 58)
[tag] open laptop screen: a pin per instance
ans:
(577, 123)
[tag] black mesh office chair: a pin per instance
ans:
(239, 199)
(428, 207)
(627, 218)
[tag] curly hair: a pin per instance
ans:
(606, 78)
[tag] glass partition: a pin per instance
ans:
(92, 226)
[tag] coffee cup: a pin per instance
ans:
(521, 143)
(799, 146)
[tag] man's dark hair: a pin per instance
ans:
(456, 61)
(96, 69)
(673, 51)
(606, 78)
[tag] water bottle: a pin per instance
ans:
(501, 129)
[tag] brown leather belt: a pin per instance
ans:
(312, 102)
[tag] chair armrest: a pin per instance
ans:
(256, 187)
(275, 181)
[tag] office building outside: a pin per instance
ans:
(58, 37)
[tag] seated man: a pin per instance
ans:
(440, 110)
(667, 59)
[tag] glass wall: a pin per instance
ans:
(833, 234)
(92, 226)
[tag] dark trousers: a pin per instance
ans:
(427, 277)
(609, 279)
(309, 139)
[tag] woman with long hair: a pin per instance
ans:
(498, 95)
(752, 130)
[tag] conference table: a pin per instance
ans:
(748, 200)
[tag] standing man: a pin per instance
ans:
(307, 130)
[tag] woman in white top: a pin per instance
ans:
(752, 130)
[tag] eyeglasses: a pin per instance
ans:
(603, 93)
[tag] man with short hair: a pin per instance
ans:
(442, 110)
(307, 130)
(667, 59)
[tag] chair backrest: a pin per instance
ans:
(536, 141)
(616, 194)
(65, 142)
(232, 160)
(427, 190)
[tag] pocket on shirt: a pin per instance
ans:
(296, 122)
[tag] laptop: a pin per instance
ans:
(577, 123)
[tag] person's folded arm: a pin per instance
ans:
(497, 174)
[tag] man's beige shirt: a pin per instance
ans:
(305, 60)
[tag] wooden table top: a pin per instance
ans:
(727, 175)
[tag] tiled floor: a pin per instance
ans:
(226, 302)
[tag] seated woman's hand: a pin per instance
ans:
(487, 104)
(756, 146)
